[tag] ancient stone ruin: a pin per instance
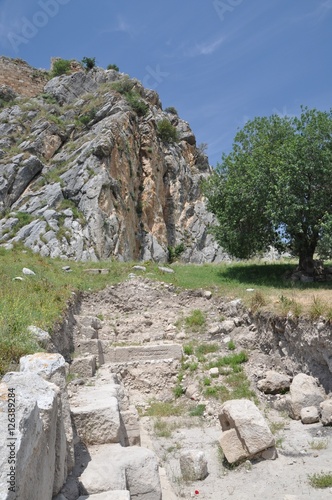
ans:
(82, 424)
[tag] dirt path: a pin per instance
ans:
(140, 312)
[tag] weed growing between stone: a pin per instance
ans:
(318, 444)
(321, 480)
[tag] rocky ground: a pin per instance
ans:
(139, 314)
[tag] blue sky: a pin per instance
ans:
(218, 62)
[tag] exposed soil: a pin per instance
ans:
(140, 311)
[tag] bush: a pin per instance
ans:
(113, 66)
(171, 110)
(136, 103)
(166, 131)
(123, 86)
(88, 63)
(61, 67)
(175, 252)
(85, 119)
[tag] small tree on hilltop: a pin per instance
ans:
(89, 62)
(275, 188)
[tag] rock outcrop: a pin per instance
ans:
(94, 168)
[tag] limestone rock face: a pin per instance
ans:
(245, 432)
(95, 177)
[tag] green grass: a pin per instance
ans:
(195, 320)
(232, 281)
(163, 428)
(188, 349)
(197, 411)
(42, 299)
(203, 349)
(233, 360)
(231, 346)
(199, 350)
(178, 390)
(163, 409)
(322, 480)
(217, 392)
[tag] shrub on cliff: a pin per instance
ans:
(60, 67)
(171, 110)
(113, 66)
(166, 131)
(123, 86)
(136, 103)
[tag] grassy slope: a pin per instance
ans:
(41, 300)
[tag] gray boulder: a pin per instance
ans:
(309, 415)
(193, 465)
(245, 431)
(304, 392)
(274, 383)
(326, 412)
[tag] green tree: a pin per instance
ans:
(89, 62)
(274, 187)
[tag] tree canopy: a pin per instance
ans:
(275, 187)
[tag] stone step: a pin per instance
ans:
(97, 421)
(130, 354)
(113, 467)
(98, 418)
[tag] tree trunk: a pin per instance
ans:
(306, 260)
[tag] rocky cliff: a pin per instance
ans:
(94, 168)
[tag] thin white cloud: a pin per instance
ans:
(204, 48)
(207, 48)
(122, 26)
(319, 13)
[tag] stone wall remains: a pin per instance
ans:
(21, 77)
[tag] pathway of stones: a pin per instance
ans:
(136, 332)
